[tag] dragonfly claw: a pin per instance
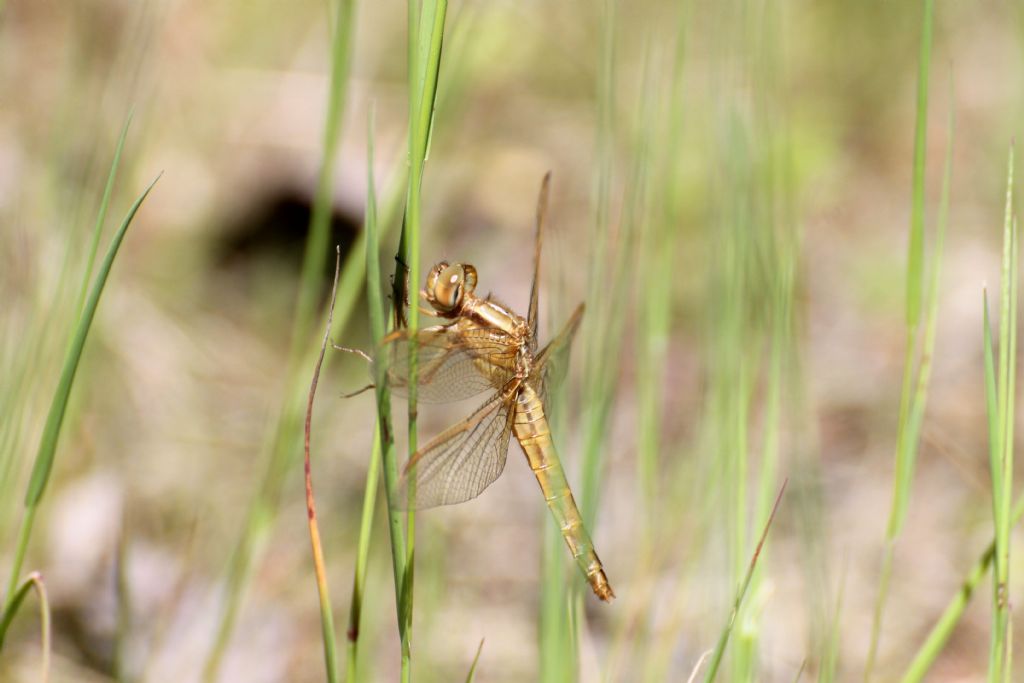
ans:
(356, 393)
(359, 352)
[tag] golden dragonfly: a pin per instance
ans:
(483, 346)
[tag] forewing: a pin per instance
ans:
(453, 364)
(463, 460)
(542, 210)
(552, 363)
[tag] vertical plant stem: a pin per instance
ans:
(906, 437)
(328, 634)
(426, 28)
(385, 431)
(943, 628)
(1002, 416)
(600, 364)
(723, 640)
(362, 556)
(101, 215)
(556, 646)
(376, 306)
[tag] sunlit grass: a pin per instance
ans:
(694, 156)
(43, 464)
(1000, 393)
(282, 440)
(918, 353)
(84, 312)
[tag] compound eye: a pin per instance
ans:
(434, 275)
(449, 287)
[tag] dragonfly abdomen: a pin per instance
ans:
(530, 427)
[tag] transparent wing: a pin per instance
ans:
(542, 210)
(453, 363)
(552, 363)
(463, 460)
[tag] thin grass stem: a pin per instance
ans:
(101, 215)
(1001, 459)
(377, 329)
(328, 634)
(426, 28)
(33, 581)
(476, 660)
(907, 439)
(723, 639)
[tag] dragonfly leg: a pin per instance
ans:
(359, 352)
(359, 391)
(429, 311)
(396, 335)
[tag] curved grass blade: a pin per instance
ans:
(55, 418)
(375, 300)
(476, 660)
(101, 215)
(723, 639)
(328, 633)
(34, 580)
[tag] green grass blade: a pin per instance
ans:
(602, 333)
(943, 628)
(55, 418)
(101, 215)
(376, 310)
(1002, 464)
(426, 28)
(327, 631)
(558, 656)
(723, 639)
(33, 580)
(46, 454)
(991, 406)
(476, 660)
(362, 557)
(907, 443)
(319, 226)
(915, 255)
(383, 441)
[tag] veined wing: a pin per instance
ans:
(463, 460)
(542, 210)
(552, 363)
(454, 362)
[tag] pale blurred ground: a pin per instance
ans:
(185, 364)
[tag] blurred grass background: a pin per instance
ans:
(731, 197)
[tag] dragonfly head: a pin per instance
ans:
(448, 285)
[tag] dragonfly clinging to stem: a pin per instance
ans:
(483, 346)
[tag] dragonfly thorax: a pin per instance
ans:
(450, 291)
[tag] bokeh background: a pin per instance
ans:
(752, 164)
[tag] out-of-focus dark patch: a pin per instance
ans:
(93, 648)
(276, 228)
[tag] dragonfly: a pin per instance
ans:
(482, 346)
